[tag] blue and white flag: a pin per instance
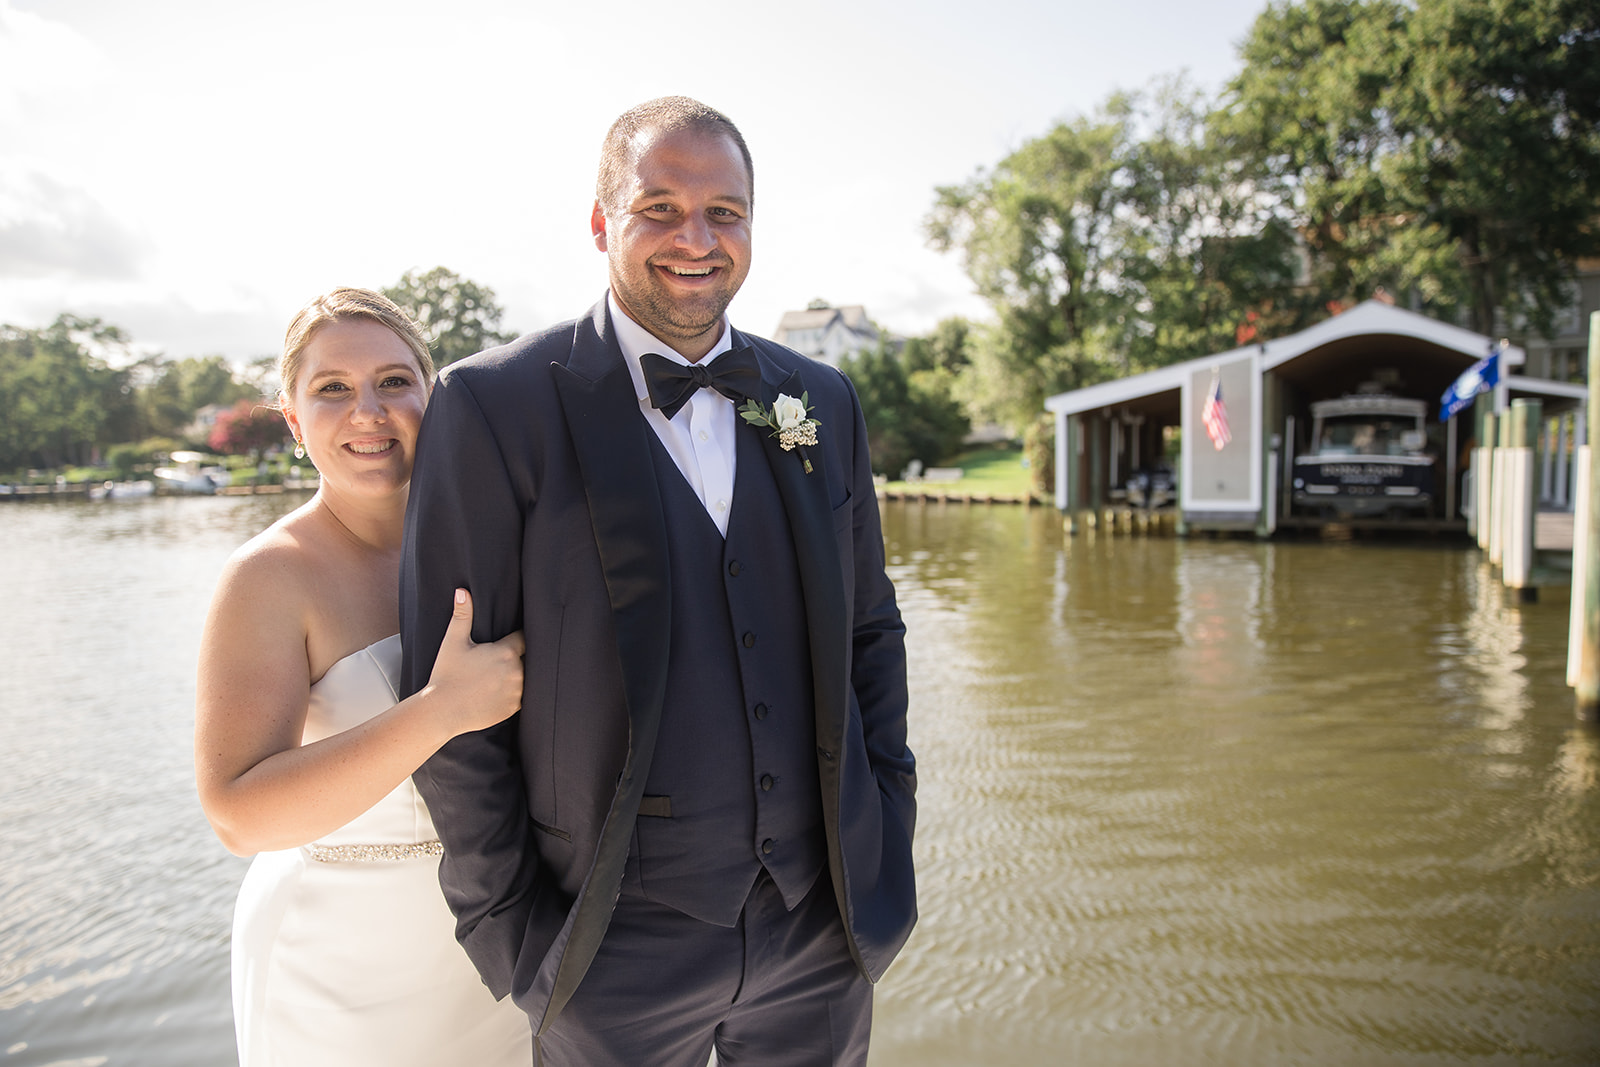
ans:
(1478, 378)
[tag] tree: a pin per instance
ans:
(1448, 151)
(1306, 117)
(1197, 246)
(59, 394)
(458, 316)
(946, 348)
(248, 428)
(1503, 98)
(178, 389)
(1110, 245)
(909, 415)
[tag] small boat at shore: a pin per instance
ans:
(122, 490)
(188, 473)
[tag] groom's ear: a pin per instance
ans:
(597, 226)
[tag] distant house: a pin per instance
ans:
(1565, 357)
(204, 420)
(828, 333)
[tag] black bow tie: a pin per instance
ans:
(734, 374)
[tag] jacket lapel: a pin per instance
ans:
(608, 438)
(807, 499)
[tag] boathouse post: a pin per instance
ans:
(1483, 482)
(1580, 559)
(1500, 436)
(1521, 496)
(1586, 539)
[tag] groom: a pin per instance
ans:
(697, 832)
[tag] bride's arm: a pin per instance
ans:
(260, 788)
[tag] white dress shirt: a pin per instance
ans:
(700, 437)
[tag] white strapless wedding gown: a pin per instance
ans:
(344, 954)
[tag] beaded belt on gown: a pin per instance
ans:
(373, 853)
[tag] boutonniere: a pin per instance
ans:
(789, 420)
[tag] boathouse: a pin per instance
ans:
(1237, 472)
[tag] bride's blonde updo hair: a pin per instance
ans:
(342, 305)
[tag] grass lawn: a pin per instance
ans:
(994, 469)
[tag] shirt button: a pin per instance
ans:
(766, 782)
(733, 567)
(722, 505)
(761, 711)
(749, 640)
(766, 847)
(704, 436)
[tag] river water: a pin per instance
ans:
(1181, 802)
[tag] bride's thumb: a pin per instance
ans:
(461, 617)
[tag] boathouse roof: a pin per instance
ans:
(1338, 350)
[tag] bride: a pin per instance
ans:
(343, 947)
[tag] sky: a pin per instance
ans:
(194, 172)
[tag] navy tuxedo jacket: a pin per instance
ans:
(534, 488)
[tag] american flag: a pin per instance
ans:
(1215, 415)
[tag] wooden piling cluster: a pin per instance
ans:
(1113, 520)
(928, 495)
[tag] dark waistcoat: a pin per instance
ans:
(733, 785)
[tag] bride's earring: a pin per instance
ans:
(299, 449)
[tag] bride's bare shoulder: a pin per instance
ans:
(277, 565)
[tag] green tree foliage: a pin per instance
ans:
(1501, 100)
(947, 348)
(1447, 150)
(909, 414)
(1195, 241)
(1033, 234)
(61, 398)
(249, 427)
(178, 389)
(457, 315)
(1110, 245)
(1306, 119)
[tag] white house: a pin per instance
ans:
(827, 333)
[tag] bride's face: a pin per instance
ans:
(357, 405)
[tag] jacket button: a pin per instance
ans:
(766, 782)
(749, 640)
(733, 567)
(766, 847)
(761, 711)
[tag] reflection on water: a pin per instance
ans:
(1230, 802)
(1181, 802)
(114, 897)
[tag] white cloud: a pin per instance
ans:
(194, 171)
(40, 57)
(49, 228)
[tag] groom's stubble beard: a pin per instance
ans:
(668, 316)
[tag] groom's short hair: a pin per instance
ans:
(666, 114)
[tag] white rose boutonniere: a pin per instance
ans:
(789, 420)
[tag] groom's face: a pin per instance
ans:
(677, 236)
